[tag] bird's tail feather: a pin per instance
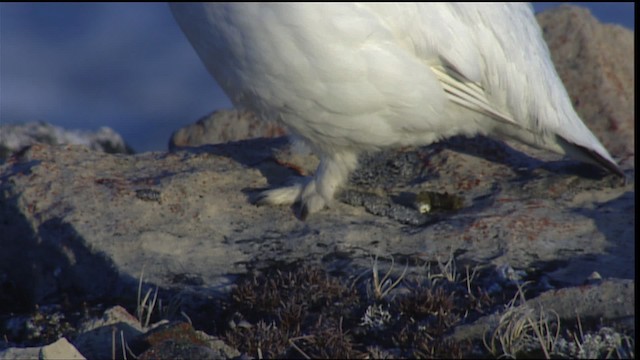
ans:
(470, 95)
(588, 155)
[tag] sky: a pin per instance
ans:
(123, 65)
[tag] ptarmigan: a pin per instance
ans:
(356, 77)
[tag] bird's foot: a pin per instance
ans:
(303, 193)
(314, 193)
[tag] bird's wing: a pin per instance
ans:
(442, 38)
(470, 49)
(468, 93)
(492, 59)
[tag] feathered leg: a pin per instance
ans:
(314, 193)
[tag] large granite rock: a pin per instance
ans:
(14, 137)
(224, 126)
(596, 63)
(76, 220)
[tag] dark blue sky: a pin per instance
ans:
(123, 65)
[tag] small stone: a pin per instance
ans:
(60, 350)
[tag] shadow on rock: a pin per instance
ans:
(50, 264)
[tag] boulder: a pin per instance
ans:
(224, 126)
(85, 222)
(596, 63)
(59, 350)
(99, 338)
(14, 137)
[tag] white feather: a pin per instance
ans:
(354, 77)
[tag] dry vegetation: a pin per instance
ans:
(299, 310)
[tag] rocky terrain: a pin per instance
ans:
(468, 247)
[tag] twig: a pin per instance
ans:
(291, 341)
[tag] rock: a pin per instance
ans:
(179, 340)
(78, 220)
(112, 316)
(16, 353)
(170, 349)
(97, 336)
(59, 350)
(612, 299)
(14, 137)
(224, 126)
(596, 63)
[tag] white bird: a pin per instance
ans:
(356, 77)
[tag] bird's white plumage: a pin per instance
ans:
(352, 77)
